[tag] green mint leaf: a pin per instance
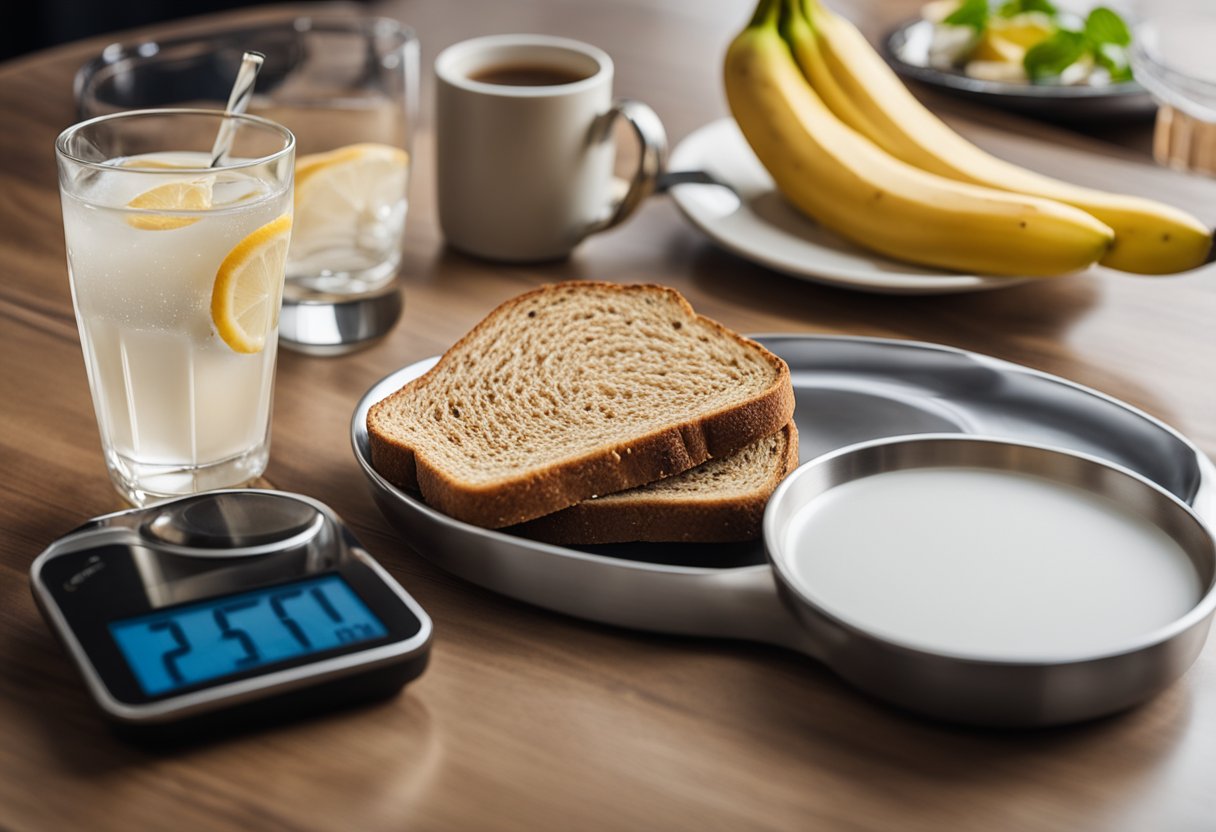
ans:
(973, 13)
(1114, 60)
(1105, 26)
(1050, 57)
(1013, 8)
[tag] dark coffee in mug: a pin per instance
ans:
(527, 75)
(525, 147)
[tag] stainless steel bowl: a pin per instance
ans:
(983, 687)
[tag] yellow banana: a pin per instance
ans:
(851, 186)
(857, 84)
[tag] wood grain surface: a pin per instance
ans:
(527, 720)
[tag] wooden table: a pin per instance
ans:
(527, 720)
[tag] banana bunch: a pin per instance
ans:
(848, 145)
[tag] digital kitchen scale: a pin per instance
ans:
(224, 608)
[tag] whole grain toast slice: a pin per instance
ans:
(574, 390)
(720, 501)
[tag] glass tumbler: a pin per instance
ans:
(1172, 58)
(176, 268)
(346, 86)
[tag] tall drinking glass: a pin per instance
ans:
(1172, 57)
(176, 267)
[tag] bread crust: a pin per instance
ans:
(633, 461)
(699, 520)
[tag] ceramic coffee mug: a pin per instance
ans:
(525, 146)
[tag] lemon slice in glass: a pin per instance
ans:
(340, 190)
(249, 287)
(184, 195)
(155, 164)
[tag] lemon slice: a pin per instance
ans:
(993, 48)
(156, 164)
(1008, 40)
(249, 287)
(1026, 30)
(185, 195)
(339, 191)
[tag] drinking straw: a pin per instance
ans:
(238, 100)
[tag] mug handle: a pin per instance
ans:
(653, 160)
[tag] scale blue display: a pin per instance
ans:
(196, 643)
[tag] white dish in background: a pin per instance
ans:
(757, 224)
(907, 51)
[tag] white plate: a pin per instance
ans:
(907, 50)
(756, 223)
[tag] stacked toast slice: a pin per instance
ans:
(577, 391)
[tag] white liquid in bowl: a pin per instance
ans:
(987, 563)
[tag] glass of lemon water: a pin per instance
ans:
(176, 267)
(345, 85)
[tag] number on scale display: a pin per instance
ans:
(198, 642)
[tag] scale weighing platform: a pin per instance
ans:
(224, 608)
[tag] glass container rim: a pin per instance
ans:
(152, 48)
(335, 23)
(1152, 56)
(288, 146)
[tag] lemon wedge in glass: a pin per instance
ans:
(248, 287)
(340, 191)
(183, 195)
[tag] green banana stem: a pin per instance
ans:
(806, 12)
(791, 16)
(765, 14)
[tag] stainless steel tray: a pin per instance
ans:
(848, 390)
